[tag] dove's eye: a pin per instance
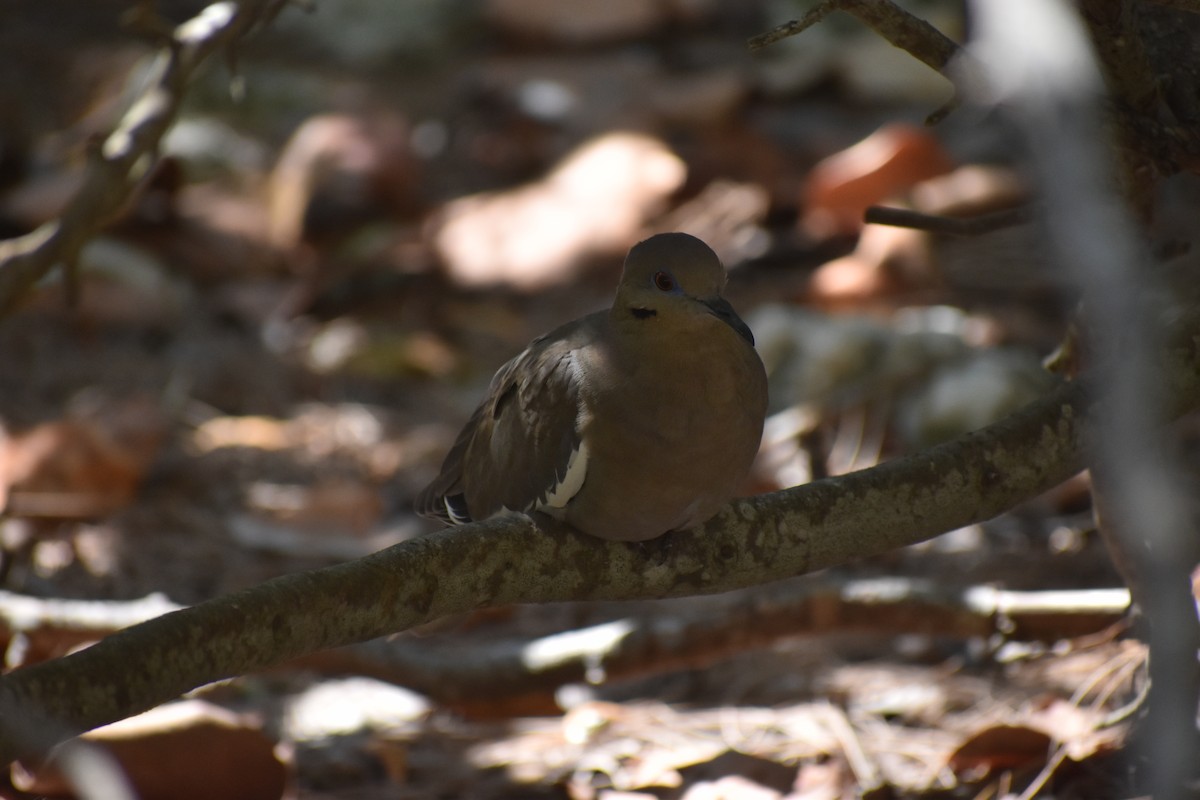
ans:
(665, 282)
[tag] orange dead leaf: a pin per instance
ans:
(886, 259)
(595, 202)
(85, 467)
(1000, 747)
(841, 187)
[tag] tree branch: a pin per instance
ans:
(908, 32)
(513, 560)
(117, 165)
(485, 678)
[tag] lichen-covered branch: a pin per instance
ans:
(513, 560)
(481, 677)
(117, 165)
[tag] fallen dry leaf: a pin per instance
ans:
(1000, 747)
(968, 191)
(595, 202)
(613, 794)
(885, 260)
(328, 504)
(87, 466)
(737, 774)
(263, 433)
(338, 171)
(848, 278)
(841, 187)
(1079, 728)
(731, 787)
(189, 750)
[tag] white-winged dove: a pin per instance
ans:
(626, 423)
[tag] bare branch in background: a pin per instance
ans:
(904, 30)
(1157, 134)
(916, 36)
(118, 164)
(478, 677)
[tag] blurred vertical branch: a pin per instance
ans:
(117, 165)
(1040, 67)
(1107, 95)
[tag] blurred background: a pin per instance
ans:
(372, 205)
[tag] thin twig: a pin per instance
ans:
(904, 30)
(1031, 791)
(908, 32)
(950, 226)
(795, 26)
(862, 765)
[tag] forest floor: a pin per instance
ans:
(275, 345)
